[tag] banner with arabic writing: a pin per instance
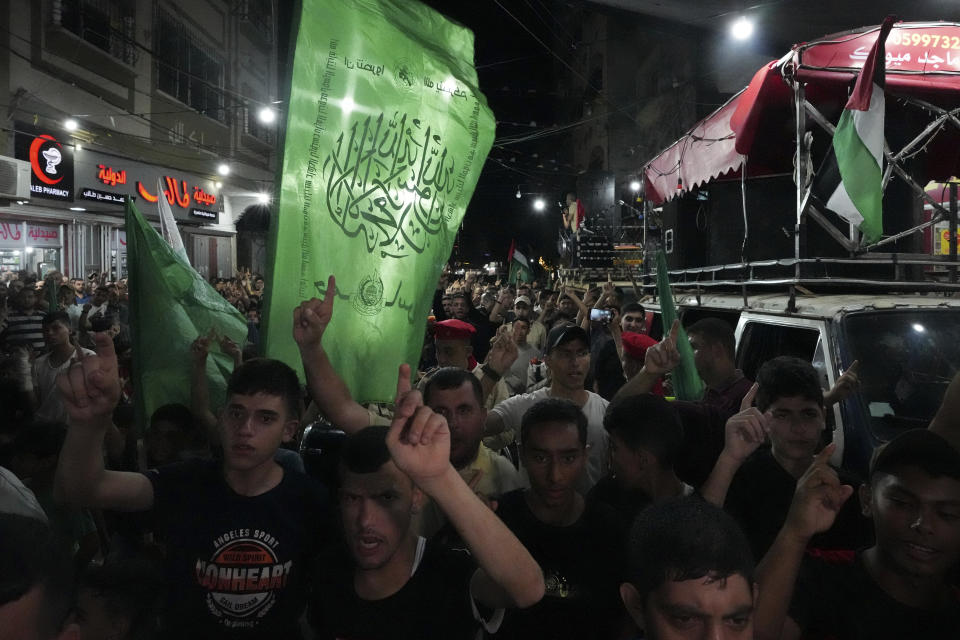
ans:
(386, 136)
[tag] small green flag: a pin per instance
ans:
(170, 306)
(386, 136)
(51, 287)
(687, 384)
(519, 267)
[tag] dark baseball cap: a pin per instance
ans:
(918, 448)
(565, 333)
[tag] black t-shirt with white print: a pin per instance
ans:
(236, 566)
(434, 604)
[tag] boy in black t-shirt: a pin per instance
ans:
(392, 584)
(898, 588)
(576, 543)
(691, 573)
(755, 485)
(238, 532)
(645, 439)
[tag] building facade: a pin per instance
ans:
(149, 99)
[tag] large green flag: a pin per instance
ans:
(687, 384)
(386, 135)
(170, 305)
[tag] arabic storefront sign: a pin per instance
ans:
(19, 235)
(206, 215)
(102, 196)
(910, 48)
(11, 235)
(109, 180)
(43, 236)
(51, 162)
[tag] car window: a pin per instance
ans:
(907, 359)
(761, 342)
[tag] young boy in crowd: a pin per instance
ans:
(790, 411)
(691, 574)
(239, 532)
(62, 347)
(392, 583)
(645, 437)
(576, 543)
(903, 586)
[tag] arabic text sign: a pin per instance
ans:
(385, 141)
(43, 236)
(929, 48)
(107, 180)
(17, 235)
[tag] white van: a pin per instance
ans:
(908, 347)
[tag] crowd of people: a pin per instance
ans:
(534, 478)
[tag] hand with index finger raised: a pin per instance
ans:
(746, 430)
(419, 439)
(311, 317)
(818, 498)
(663, 357)
(90, 386)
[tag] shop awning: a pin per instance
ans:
(763, 113)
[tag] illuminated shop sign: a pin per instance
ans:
(51, 162)
(109, 180)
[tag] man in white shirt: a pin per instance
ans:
(61, 350)
(568, 357)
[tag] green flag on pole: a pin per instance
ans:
(519, 269)
(170, 305)
(386, 136)
(687, 384)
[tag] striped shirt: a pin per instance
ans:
(22, 328)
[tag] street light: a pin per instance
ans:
(267, 115)
(263, 198)
(539, 204)
(742, 28)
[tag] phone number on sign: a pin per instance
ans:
(925, 39)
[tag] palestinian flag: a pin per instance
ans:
(849, 181)
(520, 270)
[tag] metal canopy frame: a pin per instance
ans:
(851, 240)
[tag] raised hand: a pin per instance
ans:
(847, 383)
(419, 439)
(232, 349)
(200, 348)
(664, 357)
(747, 430)
(503, 353)
(818, 498)
(311, 318)
(90, 386)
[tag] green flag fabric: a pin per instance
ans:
(519, 269)
(170, 306)
(386, 136)
(687, 384)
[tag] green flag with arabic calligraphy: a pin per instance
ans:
(386, 136)
(686, 382)
(170, 306)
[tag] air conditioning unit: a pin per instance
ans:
(14, 179)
